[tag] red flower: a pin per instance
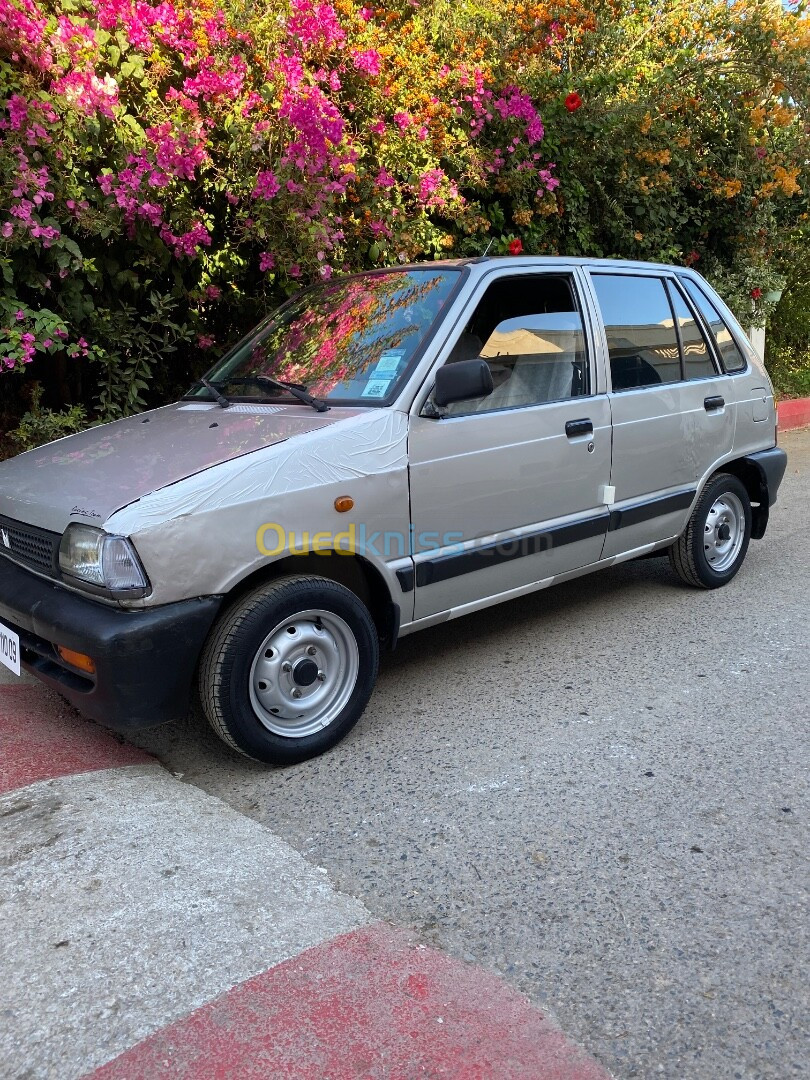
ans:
(573, 102)
(691, 258)
(756, 294)
(515, 246)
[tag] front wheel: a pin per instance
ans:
(288, 670)
(711, 549)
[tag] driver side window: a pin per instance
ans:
(529, 331)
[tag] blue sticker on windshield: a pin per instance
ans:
(376, 388)
(389, 362)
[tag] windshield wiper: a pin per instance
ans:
(297, 391)
(220, 398)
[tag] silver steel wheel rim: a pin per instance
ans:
(723, 532)
(304, 673)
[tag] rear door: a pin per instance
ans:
(671, 421)
(508, 490)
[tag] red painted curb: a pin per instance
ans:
(371, 1005)
(793, 413)
(41, 738)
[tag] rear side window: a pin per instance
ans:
(640, 331)
(730, 355)
(697, 359)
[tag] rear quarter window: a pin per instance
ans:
(731, 357)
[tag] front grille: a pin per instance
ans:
(30, 546)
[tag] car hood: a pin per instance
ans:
(87, 477)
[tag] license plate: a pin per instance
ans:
(10, 649)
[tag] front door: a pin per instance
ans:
(508, 490)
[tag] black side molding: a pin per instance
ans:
(650, 508)
(405, 579)
(518, 547)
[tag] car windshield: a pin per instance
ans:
(351, 341)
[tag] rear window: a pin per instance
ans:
(731, 357)
(640, 330)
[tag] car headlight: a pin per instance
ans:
(102, 562)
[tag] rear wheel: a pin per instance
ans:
(288, 670)
(711, 549)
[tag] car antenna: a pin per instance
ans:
(489, 245)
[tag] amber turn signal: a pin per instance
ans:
(343, 503)
(77, 659)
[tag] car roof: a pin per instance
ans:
(539, 260)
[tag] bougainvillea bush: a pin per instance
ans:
(171, 170)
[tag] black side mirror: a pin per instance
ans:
(462, 381)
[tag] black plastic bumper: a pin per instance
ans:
(771, 465)
(145, 660)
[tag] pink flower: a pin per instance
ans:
(550, 182)
(294, 271)
(213, 292)
(266, 185)
(367, 60)
(19, 315)
(205, 341)
(384, 179)
(429, 183)
(402, 120)
(8, 229)
(266, 261)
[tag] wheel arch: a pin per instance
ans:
(754, 481)
(354, 572)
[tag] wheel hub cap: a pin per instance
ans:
(305, 672)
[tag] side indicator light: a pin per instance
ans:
(343, 503)
(77, 659)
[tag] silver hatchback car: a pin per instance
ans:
(385, 452)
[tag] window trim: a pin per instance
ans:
(718, 356)
(582, 308)
(671, 282)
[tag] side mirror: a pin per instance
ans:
(462, 381)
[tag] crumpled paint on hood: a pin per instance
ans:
(87, 477)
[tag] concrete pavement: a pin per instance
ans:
(149, 930)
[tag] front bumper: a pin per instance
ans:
(145, 660)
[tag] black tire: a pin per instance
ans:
(227, 680)
(691, 554)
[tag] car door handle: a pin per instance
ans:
(579, 427)
(712, 403)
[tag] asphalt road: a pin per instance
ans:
(598, 792)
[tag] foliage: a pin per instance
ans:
(38, 425)
(171, 170)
